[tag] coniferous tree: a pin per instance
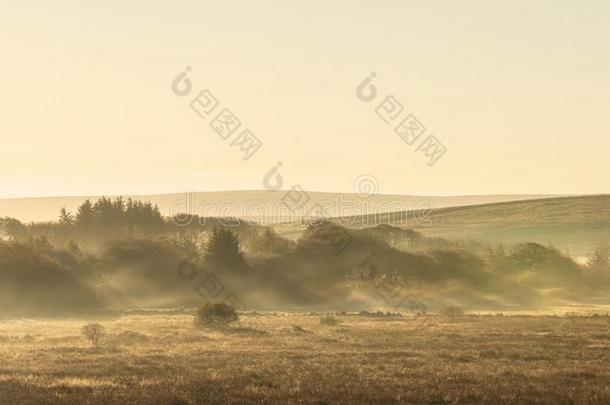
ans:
(85, 223)
(65, 230)
(65, 217)
(223, 252)
(85, 216)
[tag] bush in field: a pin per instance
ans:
(329, 320)
(452, 311)
(94, 332)
(298, 329)
(216, 316)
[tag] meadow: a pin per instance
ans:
(293, 358)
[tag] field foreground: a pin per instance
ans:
(294, 359)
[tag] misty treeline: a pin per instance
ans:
(94, 223)
(118, 254)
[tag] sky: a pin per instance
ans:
(517, 92)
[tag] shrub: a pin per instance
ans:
(298, 329)
(329, 320)
(216, 316)
(93, 332)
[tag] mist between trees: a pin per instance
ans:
(120, 254)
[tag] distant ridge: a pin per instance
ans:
(257, 205)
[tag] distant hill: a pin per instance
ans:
(259, 206)
(574, 224)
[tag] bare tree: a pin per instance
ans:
(93, 332)
(599, 260)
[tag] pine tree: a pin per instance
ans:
(223, 252)
(85, 223)
(66, 217)
(85, 216)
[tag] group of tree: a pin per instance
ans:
(137, 253)
(96, 222)
(107, 219)
(36, 277)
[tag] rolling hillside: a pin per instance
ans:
(574, 224)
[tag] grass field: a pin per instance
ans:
(162, 359)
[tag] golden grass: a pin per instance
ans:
(162, 359)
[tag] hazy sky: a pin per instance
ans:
(517, 91)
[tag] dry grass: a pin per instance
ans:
(162, 359)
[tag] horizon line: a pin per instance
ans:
(87, 196)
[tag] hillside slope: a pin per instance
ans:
(574, 224)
